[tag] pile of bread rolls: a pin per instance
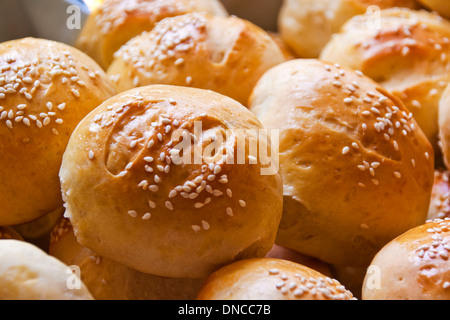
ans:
(177, 151)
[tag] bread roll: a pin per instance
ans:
(408, 54)
(46, 88)
(115, 22)
(307, 25)
(28, 273)
(270, 279)
(440, 196)
(352, 179)
(414, 266)
(9, 233)
(224, 54)
(110, 280)
(147, 183)
(440, 6)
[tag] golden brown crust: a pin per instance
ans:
(223, 54)
(270, 279)
(115, 22)
(414, 266)
(357, 170)
(45, 89)
(175, 216)
(110, 280)
(28, 273)
(307, 25)
(440, 6)
(407, 54)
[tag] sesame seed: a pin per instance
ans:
(91, 155)
(196, 228)
(205, 225)
(148, 159)
(132, 213)
(229, 193)
(9, 124)
(153, 188)
(345, 150)
(76, 93)
(375, 182)
(198, 205)
(348, 100)
(169, 205)
(146, 216)
(123, 173)
(152, 204)
(229, 211)
(274, 271)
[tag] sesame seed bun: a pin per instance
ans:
(440, 196)
(110, 280)
(141, 187)
(115, 22)
(270, 279)
(28, 273)
(307, 25)
(46, 88)
(352, 180)
(414, 266)
(9, 233)
(408, 54)
(440, 6)
(223, 54)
